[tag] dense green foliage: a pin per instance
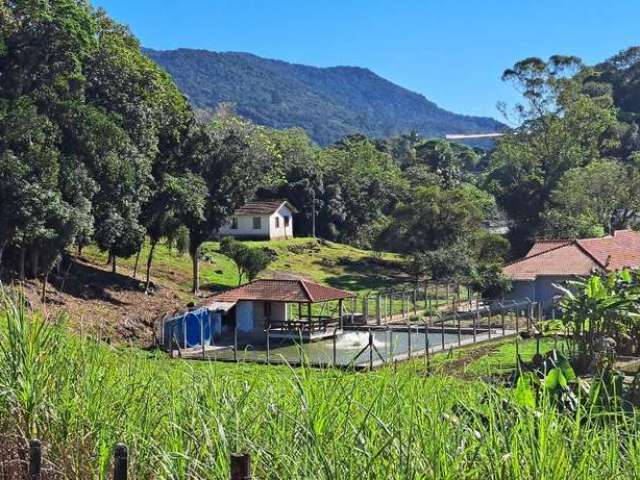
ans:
(328, 103)
(604, 306)
(570, 168)
(249, 261)
(182, 420)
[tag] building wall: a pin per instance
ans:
(245, 227)
(521, 290)
(545, 291)
(282, 231)
(251, 319)
(268, 228)
(540, 290)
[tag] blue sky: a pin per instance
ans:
(453, 52)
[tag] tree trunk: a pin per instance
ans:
(22, 255)
(149, 260)
(79, 249)
(66, 275)
(135, 267)
(44, 287)
(35, 267)
(193, 252)
(113, 263)
(2, 247)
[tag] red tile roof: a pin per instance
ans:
(277, 290)
(542, 246)
(266, 207)
(578, 257)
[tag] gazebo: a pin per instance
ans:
(264, 307)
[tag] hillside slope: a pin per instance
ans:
(328, 103)
(114, 306)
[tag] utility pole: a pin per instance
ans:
(313, 213)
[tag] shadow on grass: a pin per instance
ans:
(355, 282)
(90, 283)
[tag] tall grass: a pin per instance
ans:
(182, 420)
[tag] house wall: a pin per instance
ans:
(245, 227)
(268, 228)
(251, 319)
(282, 231)
(540, 290)
(545, 291)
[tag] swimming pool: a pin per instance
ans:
(352, 348)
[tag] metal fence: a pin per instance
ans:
(365, 346)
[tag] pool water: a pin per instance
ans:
(351, 348)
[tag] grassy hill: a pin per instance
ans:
(114, 306)
(328, 103)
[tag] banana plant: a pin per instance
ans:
(604, 305)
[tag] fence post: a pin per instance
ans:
(409, 342)
(475, 325)
(35, 459)
(269, 343)
(335, 340)
(365, 309)
(378, 306)
(120, 462)
(235, 343)
(490, 319)
(240, 466)
(415, 299)
(370, 350)
(426, 346)
(442, 333)
(455, 315)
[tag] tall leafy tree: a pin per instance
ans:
(592, 200)
(561, 127)
(232, 164)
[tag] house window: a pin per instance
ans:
(257, 223)
(234, 223)
(286, 221)
(267, 309)
(277, 222)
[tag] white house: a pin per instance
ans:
(270, 220)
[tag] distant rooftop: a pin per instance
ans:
(266, 207)
(578, 257)
(281, 290)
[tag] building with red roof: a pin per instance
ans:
(552, 262)
(282, 308)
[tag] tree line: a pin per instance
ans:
(97, 145)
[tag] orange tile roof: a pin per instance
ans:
(579, 257)
(277, 290)
(542, 246)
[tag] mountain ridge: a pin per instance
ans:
(328, 102)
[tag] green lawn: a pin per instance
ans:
(334, 264)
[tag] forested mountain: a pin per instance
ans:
(328, 103)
